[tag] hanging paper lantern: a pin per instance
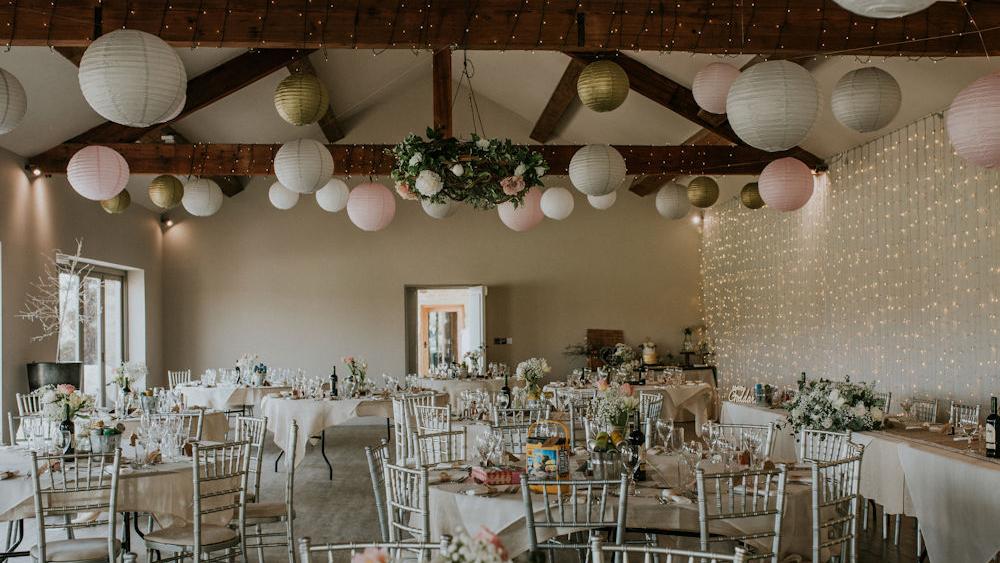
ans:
(866, 99)
(602, 86)
(439, 210)
(750, 196)
(301, 99)
(884, 8)
(597, 169)
(703, 192)
(672, 201)
(973, 122)
(557, 203)
(13, 102)
(117, 204)
(602, 202)
(177, 109)
(773, 105)
(97, 172)
(525, 216)
(711, 86)
(786, 184)
(282, 197)
(132, 77)
(165, 191)
(303, 165)
(202, 197)
(333, 196)
(371, 207)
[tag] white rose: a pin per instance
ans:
(49, 397)
(416, 159)
(539, 171)
(860, 410)
(483, 143)
(428, 183)
(458, 170)
(827, 422)
(520, 170)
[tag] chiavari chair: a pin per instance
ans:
(441, 447)
(650, 406)
(824, 445)
(406, 503)
(520, 416)
(736, 434)
(925, 410)
(661, 554)
(836, 488)
(328, 551)
(253, 430)
(377, 457)
(514, 437)
(260, 514)
(752, 497)
(29, 403)
(175, 378)
(586, 506)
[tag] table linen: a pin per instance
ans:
(454, 387)
(226, 397)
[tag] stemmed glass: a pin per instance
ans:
(970, 431)
(906, 404)
(665, 430)
(484, 447)
(752, 442)
(630, 461)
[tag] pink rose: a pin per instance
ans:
(348, 359)
(371, 555)
(602, 385)
(512, 185)
(487, 536)
(627, 390)
(405, 192)
(65, 388)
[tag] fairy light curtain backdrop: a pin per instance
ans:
(890, 273)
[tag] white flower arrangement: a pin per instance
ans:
(429, 183)
(836, 406)
(622, 357)
(246, 363)
(531, 371)
(484, 547)
(63, 402)
(128, 373)
(614, 404)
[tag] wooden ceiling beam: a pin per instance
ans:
(799, 28)
(257, 159)
(650, 183)
(441, 73)
(328, 123)
(559, 101)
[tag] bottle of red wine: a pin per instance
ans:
(990, 433)
(333, 382)
(637, 440)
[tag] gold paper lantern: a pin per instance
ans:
(166, 191)
(301, 99)
(117, 204)
(750, 196)
(703, 192)
(602, 86)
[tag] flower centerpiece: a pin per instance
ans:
(357, 379)
(481, 172)
(484, 547)
(61, 404)
(245, 366)
(836, 406)
(614, 404)
(531, 371)
(473, 359)
(621, 358)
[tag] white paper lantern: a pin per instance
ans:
(711, 86)
(602, 202)
(439, 210)
(202, 197)
(866, 99)
(282, 197)
(371, 207)
(525, 216)
(786, 184)
(672, 201)
(303, 165)
(773, 105)
(597, 169)
(132, 77)
(557, 203)
(884, 8)
(97, 173)
(973, 122)
(13, 102)
(333, 196)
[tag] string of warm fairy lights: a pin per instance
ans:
(888, 273)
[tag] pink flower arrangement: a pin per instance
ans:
(487, 536)
(512, 185)
(371, 555)
(627, 390)
(602, 384)
(405, 191)
(65, 388)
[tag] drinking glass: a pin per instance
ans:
(753, 442)
(665, 430)
(630, 461)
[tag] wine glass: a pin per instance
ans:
(752, 442)
(906, 405)
(665, 430)
(630, 461)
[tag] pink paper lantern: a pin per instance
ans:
(711, 86)
(371, 207)
(786, 184)
(97, 173)
(527, 215)
(973, 122)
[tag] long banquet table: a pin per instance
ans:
(694, 398)
(454, 387)
(954, 494)
(226, 397)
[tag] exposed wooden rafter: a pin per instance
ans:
(649, 183)
(328, 123)
(441, 73)
(256, 160)
(800, 27)
(559, 101)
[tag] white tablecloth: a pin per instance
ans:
(454, 387)
(214, 426)
(785, 448)
(695, 398)
(226, 397)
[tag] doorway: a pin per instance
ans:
(443, 323)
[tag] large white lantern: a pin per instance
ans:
(371, 207)
(97, 173)
(282, 197)
(13, 102)
(773, 105)
(602, 202)
(303, 165)
(333, 196)
(202, 197)
(786, 184)
(597, 169)
(133, 78)
(884, 9)
(672, 201)
(711, 86)
(439, 210)
(866, 99)
(557, 203)
(973, 122)
(523, 217)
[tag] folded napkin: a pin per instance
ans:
(4, 475)
(669, 495)
(490, 490)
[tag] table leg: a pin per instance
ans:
(322, 450)
(127, 532)
(388, 429)
(15, 535)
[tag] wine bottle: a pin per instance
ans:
(505, 390)
(635, 435)
(990, 433)
(333, 382)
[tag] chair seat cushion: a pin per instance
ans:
(184, 535)
(265, 510)
(83, 549)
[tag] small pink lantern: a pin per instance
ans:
(711, 86)
(786, 184)
(527, 215)
(97, 173)
(371, 207)
(973, 122)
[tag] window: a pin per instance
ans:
(93, 326)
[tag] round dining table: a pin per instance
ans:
(455, 387)
(226, 397)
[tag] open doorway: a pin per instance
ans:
(443, 323)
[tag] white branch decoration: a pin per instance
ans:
(45, 304)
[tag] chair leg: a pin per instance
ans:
(864, 516)
(885, 525)
(895, 534)
(260, 540)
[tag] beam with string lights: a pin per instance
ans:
(787, 27)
